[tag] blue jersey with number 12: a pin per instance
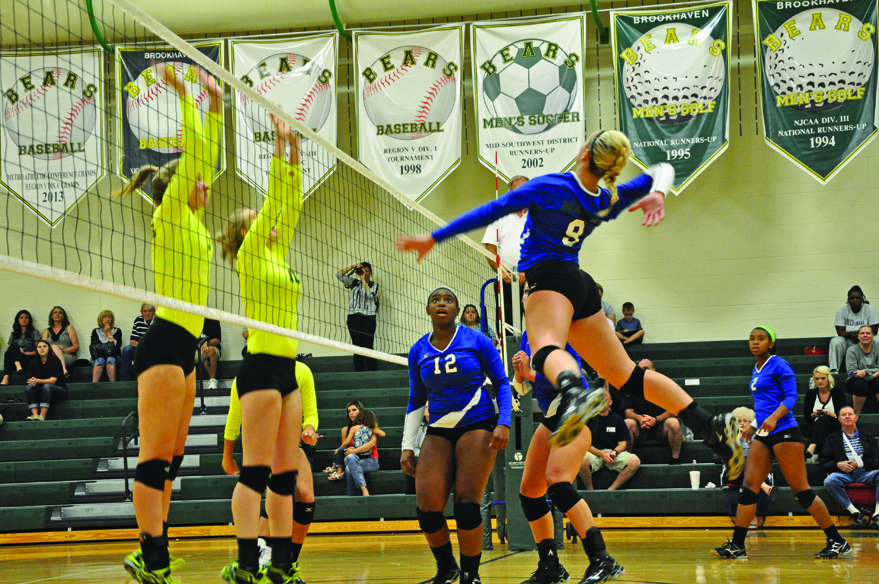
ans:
(452, 380)
(772, 385)
(561, 213)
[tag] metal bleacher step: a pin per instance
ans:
(105, 514)
(108, 490)
(195, 443)
(115, 467)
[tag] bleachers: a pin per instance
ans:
(68, 471)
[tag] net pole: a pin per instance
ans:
(502, 337)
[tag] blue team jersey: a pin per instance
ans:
(548, 397)
(453, 380)
(561, 213)
(772, 385)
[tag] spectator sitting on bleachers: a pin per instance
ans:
(856, 313)
(138, 329)
(211, 339)
(820, 409)
(745, 417)
(45, 384)
(62, 338)
(609, 438)
(352, 411)
(470, 318)
(21, 346)
(360, 454)
(105, 346)
(629, 330)
(862, 364)
(654, 423)
(851, 455)
(606, 308)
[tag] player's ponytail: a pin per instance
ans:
(231, 238)
(609, 152)
(158, 185)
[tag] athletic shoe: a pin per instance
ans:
(468, 579)
(265, 552)
(133, 564)
(297, 573)
(446, 575)
(135, 561)
(543, 575)
(577, 406)
(724, 441)
(730, 551)
(213, 384)
(834, 549)
(273, 575)
(236, 575)
(874, 523)
(602, 571)
(859, 521)
(32, 417)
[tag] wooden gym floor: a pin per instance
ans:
(776, 556)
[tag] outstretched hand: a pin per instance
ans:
(215, 89)
(420, 244)
(169, 74)
(653, 206)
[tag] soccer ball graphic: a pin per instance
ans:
(530, 85)
(674, 74)
(825, 59)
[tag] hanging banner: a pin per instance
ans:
(298, 74)
(672, 82)
(528, 80)
(818, 84)
(52, 144)
(150, 123)
(409, 94)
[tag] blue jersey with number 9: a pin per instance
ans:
(561, 213)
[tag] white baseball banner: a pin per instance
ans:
(528, 83)
(409, 92)
(52, 146)
(299, 74)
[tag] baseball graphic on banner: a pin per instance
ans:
(295, 83)
(410, 93)
(532, 85)
(153, 107)
(683, 75)
(830, 63)
(55, 117)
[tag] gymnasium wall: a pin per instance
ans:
(752, 240)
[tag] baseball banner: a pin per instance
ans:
(52, 145)
(818, 80)
(528, 79)
(409, 93)
(300, 76)
(149, 119)
(672, 83)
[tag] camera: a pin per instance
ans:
(358, 271)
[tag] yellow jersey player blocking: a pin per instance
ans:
(181, 256)
(303, 497)
(271, 406)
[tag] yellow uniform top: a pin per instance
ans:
(182, 246)
(269, 287)
(304, 379)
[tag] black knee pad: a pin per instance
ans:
(805, 498)
(430, 521)
(175, 467)
(563, 496)
(467, 516)
(635, 385)
(747, 497)
(538, 359)
(152, 473)
(255, 478)
(534, 508)
(284, 484)
(303, 513)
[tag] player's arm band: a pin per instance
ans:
(663, 177)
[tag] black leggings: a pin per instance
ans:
(13, 354)
(42, 395)
(362, 330)
(820, 429)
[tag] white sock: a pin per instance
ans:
(852, 509)
(261, 542)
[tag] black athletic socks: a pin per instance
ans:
(833, 533)
(248, 555)
(295, 549)
(155, 552)
(696, 419)
(593, 545)
(739, 534)
(444, 555)
(470, 564)
(548, 554)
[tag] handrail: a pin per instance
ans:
(602, 32)
(338, 20)
(125, 440)
(97, 31)
(484, 325)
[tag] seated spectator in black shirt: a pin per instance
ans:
(609, 437)
(618, 405)
(45, 384)
(138, 329)
(653, 422)
(105, 346)
(20, 349)
(211, 337)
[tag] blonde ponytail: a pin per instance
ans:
(157, 186)
(140, 177)
(610, 151)
(231, 238)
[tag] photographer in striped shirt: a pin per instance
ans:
(138, 329)
(362, 307)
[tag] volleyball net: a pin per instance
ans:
(80, 120)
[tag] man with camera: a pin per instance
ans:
(362, 308)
